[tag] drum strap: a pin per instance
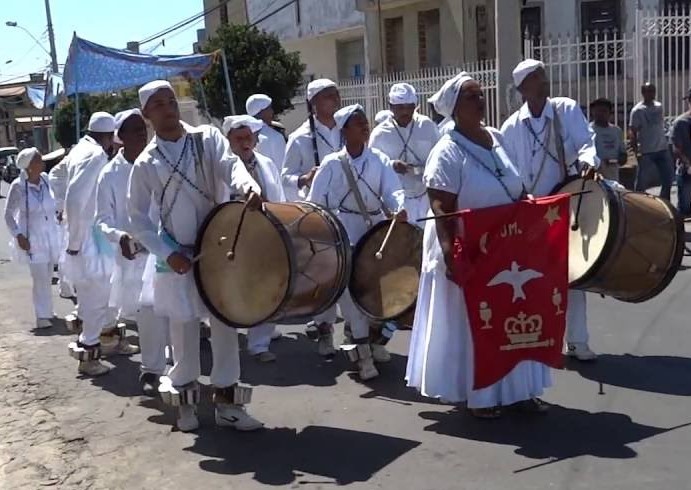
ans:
(559, 140)
(209, 184)
(355, 190)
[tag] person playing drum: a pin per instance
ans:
(407, 139)
(242, 133)
(187, 171)
(468, 169)
(550, 140)
(359, 185)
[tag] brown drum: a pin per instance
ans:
(386, 289)
(291, 261)
(627, 245)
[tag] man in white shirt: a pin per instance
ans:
(271, 141)
(57, 178)
(549, 139)
(407, 138)
(241, 132)
(375, 193)
(187, 171)
(130, 258)
(89, 260)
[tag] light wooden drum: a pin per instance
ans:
(628, 245)
(291, 261)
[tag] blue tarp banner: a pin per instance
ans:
(92, 68)
(36, 93)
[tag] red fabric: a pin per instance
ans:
(519, 315)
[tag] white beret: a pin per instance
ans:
(101, 122)
(382, 116)
(343, 114)
(242, 121)
(257, 103)
(525, 68)
(402, 93)
(151, 88)
(25, 156)
(444, 100)
(316, 86)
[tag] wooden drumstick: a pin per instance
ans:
(231, 253)
(380, 254)
(576, 224)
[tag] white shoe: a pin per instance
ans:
(92, 368)
(122, 348)
(266, 356)
(187, 418)
(236, 416)
(581, 351)
(380, 354)
(366, 369)
(326, 345)
(44, 323)
(276, 335)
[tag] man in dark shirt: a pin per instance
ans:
(681, 141)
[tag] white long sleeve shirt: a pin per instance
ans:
(272, 144)
(267, 176)
(86, 162)
(531, 144)
(375, 179)
(57, 178)
(299, 158)
(111, 198)
(411, 145)
(185, 196)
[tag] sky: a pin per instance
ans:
(108, 22)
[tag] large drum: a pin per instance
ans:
(291, 261)
(627, 245)
(386, 289)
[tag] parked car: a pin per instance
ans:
(8, 167)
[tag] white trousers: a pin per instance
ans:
(64, 286)
(329, 316)
(184, 338)
(153, 339)
(359, 323)
(93, 309)
(259, 338)
(42, 276)
(576, 318)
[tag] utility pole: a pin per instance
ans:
(51, 38)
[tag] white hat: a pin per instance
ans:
(445, 99)
(316, 86)
(151, 88)
(257, 103)
(525, 68)
(242, 121)
(402, 93)
(120, 119)
(343, 114)
(382, 116)
(101, 122)
(25, 156)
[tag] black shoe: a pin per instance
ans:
(534, 406)
(149, 383)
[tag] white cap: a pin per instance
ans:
(343, 114)
(445, 99)
(382, 116)
(242, 121)
(151, 88)
(25, 156)
(525, 68)
(402, 93)
(101, 122)
(257, 103)
(316, 86)
(120, 119)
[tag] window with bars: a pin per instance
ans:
(429, 39)
(394, 39)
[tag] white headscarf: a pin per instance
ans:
(257, 103)
(25, 157)
(316, 86)
(525, 68)
(343, 114)
(150, 89)
(402, 93)
(445, 99)
(242, 121)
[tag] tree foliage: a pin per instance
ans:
(64, 121)
(257, 63)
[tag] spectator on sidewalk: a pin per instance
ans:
(681, 143)
(649, 142)
(609, 139)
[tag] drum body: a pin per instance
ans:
(291, 261)
(628, 245)
(387, 289)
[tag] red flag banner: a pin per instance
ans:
(512, 263)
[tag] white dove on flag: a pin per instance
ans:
(516, 278)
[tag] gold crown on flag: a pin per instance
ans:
(523, 329)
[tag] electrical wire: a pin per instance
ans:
(183, 23)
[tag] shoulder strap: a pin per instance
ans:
(559, 141)
(210, 184)
(355, 189)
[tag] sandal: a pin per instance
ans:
(534, 405)
(490, 413)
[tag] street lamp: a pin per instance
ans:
(10, 23)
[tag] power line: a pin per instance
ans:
(271, 14)
(183, 23)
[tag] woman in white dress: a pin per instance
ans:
(467, 169)
(31, 219)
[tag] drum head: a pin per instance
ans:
(588, 243)
(386, 289)
(251, 288)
